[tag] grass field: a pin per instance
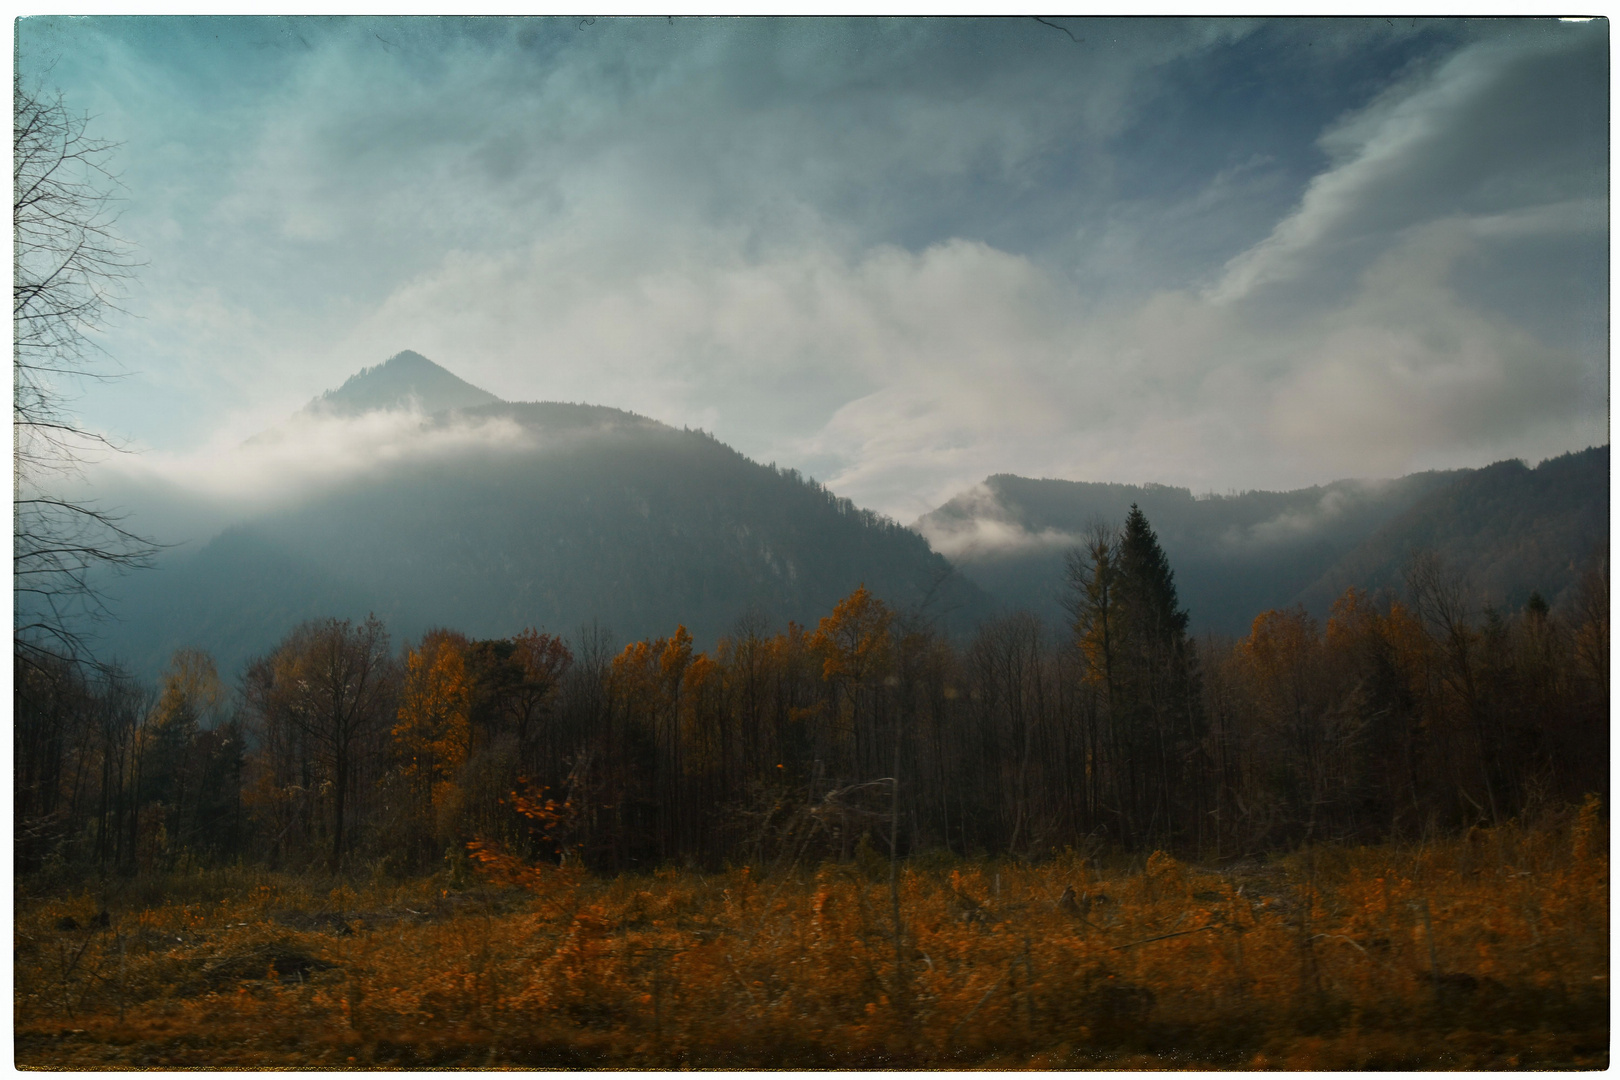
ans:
(1490, 951)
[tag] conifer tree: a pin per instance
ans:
(1133, 634)
(1148, 586)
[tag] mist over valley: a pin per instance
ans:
(409, 493)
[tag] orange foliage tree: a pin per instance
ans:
(432, 735)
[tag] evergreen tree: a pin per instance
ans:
(1133, 634)
(1148, 587)
(1171, 698)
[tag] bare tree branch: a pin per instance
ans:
(69, 268)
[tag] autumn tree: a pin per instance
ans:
(1092, 574)
(121, 706)
(432, 733)
(856, 655)
(1012, 674)
(1385, 656)
(333, 683)
(541, 661)
(1295, 701)
(1589, 685)
(644, 756)
(1092, 599)
(190, 757)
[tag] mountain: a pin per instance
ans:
(488, 516)
(1508, 528)
(534, 514)
(405, 380)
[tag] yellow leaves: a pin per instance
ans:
(701, 674)
(1163, 866)
(1356, 623)
(783, 649)
(542, 657)
(730, 969)
(676, 655)
(648, 676)
(1093, 646)
(634, 658)
(434, 727)
(433, 731)
(854, 640)
(1279, 637)
(1352, 613)
(191, 688)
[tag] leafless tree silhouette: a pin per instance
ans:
(69, 269)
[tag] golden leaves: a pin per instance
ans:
(1419, 953)
(854, 640)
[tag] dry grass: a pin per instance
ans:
(1487, 952)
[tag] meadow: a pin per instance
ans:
(1484, 951)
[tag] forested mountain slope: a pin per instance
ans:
(575, 515)
(493, 516)
(1507, 529)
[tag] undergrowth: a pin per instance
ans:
(1490, 951)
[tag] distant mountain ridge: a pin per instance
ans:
(584, 515)
(562, 515)
(1509, 529)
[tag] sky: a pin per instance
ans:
(897, 255)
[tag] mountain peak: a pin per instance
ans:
(402, 380)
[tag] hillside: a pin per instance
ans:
(585, 515)
(490, 516)
(1508, 528)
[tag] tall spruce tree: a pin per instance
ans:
(1162, 667)
(1148, 586)
(1133, 634)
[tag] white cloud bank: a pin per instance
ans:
(764, 231)
(185, 497)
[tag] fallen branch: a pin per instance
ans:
(1163, 937)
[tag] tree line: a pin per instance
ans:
(870, 732)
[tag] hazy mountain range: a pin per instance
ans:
(1507, 529)
(488, 516)
(546, 514)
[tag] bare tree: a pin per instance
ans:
(336, 683)
(69, 266)
(1443, 601)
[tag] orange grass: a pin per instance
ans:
(1485, 952)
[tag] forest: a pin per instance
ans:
(869, 748)
(1396, 720)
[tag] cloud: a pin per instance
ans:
(898, 255)
(978, 524)
(892, 357)
(186, 496)
(301, 173)
(1408, 366)
(1498, 127)
(1299, 522)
